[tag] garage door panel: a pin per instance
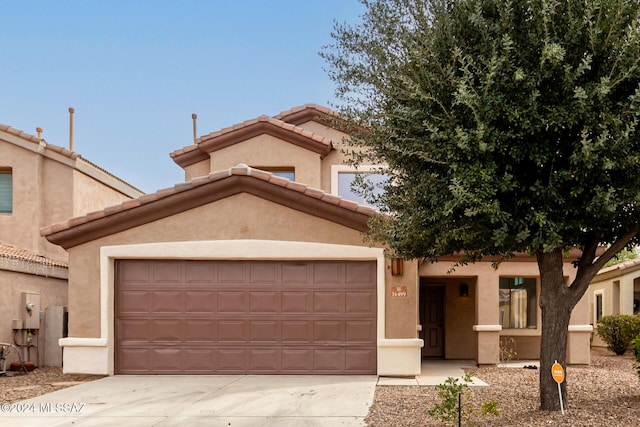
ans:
(359, 273)
(199, 360)
(198, 272)
(264, 331)
(133, 360)
(295, 273)
(328, 331)
(133, 330)
(359, 360)
(239, 317)
(264, 273)
(297, 331)
(297, 302)
(360, 302)
(264, 302)
(200, 302)
(166, 360)
(230, 331)
(200, 330)
(328, 360)
(360, 331)
(264, 361)
(232, 360)
(328, 273)
(135, 301)
(297, 360)
(328, 302)
(231, 273)
(232, 302)
(171, 330)
(168, 302)
(167, 272)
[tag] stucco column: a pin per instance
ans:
(626, 294)
(487, 327)
(579, 334)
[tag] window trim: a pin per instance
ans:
(596, 294)
(533, 331)
(9, 171)
(336, 170)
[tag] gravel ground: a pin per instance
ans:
(606, 393)
(17, 386)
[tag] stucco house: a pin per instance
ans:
(41, 184)
(614, 290)
(257, 264)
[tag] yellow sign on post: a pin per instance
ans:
(557, 372)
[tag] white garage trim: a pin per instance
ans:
(102, 349)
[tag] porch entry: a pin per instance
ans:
(432, 320)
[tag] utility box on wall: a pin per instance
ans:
(30, 310)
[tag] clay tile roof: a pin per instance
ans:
(203, 190)
(10, 252)
(226, 137)
(305, 113)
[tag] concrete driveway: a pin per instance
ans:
(237, 401)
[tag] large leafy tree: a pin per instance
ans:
(507, 126)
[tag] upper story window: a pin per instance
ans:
(284, 172)
(345, 183)
(518, 303)
(6, 191)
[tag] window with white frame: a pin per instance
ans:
(598, 306)
(518, 303)
(344, 182)
(6, 191)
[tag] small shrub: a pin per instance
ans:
(636, 350)
(618, 331)
(447, 410)
(507, 349)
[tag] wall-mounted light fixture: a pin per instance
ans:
(397, 267)
(464, 290)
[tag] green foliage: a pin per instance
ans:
(626, 254)
(618, 331)
(636, 351)
(507, 125)
(447, 409)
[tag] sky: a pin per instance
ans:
(135, 70)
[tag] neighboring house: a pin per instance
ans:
(41, 184)
(257, 264)
(614, 290)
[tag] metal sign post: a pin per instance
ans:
(557, 372)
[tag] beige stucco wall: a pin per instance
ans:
(47, 189)
(481, 307)
(268, 151)
(195, 170)
(618, 289)
(52, 291)
(241, 216)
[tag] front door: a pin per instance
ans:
(432, 320)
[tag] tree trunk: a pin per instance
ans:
(556, 306)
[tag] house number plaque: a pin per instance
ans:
(399, 291)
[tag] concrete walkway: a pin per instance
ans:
(436, 372)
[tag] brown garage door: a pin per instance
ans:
(236, 317)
